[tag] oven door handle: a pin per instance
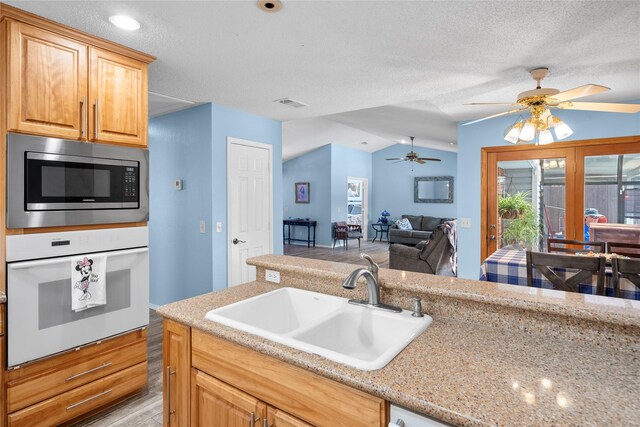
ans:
(41, 263)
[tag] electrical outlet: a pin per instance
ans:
(218, 227)
(272, 276)
(177, 184)
(203, 227)
(465, 222)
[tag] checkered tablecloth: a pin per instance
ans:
(510, 266)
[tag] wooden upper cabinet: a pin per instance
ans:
(47, 82)
(118, 95)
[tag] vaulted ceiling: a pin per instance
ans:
(379, 70)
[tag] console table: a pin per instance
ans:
(286, 231)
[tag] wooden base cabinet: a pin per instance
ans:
(69, 386)
(176, 360)
(234, 386)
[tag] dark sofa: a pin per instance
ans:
(431, 256)
(422, 226)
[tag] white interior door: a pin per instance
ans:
(249, 206)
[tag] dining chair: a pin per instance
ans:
(343, 231)
(586, 268)
(624, 268)
(632, 250)
(562, 245)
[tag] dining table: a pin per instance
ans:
(509, 265)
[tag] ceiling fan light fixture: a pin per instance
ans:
(512, 133)
(562, 129)
(528, 131)
(545, 137)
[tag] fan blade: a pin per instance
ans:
(495, 115)
(403, 160)
(579, 92)
(429, 159)
(490, 103)
(396, 158)
(421, 162)
(601, 106)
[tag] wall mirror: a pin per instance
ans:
(433, 189)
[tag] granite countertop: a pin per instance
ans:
(468, 373)
(3, 297)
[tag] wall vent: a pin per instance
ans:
(291, 103)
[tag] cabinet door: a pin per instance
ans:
(118, 95)
(176, 357)
(47, 83)
(214, 403)
(279, 418)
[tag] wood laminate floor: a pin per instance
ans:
(379, 251)
(145, 409)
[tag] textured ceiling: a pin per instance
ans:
(410, 65)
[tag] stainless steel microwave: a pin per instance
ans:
(52, 182)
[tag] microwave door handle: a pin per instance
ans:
(42, 263)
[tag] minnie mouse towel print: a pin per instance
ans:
(88, 282)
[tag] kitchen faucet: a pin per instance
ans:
(373, 287)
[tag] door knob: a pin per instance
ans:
(492, 237)
(235, 241)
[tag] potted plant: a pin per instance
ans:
(523, 230)
(513, 205)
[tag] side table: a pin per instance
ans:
(381, 229)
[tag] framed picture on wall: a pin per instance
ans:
(302, 192)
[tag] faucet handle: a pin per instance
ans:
(373, 267)
(417, 307)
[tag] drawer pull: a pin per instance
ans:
(97, 368)
(82, 402)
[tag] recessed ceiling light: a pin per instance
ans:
(403, 141)
(124, 22)
(364, 143)
(270, 5)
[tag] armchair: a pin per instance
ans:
(432, 256)
(344, 231)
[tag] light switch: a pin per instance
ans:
(218, 227)
(177, 184)
(465, 222)
(203, 227)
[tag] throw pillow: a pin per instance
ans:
(404, 224)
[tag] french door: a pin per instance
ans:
(568, 186)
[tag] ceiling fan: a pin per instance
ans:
(539, 100)
(412, 156)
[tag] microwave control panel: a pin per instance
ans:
(130, 184)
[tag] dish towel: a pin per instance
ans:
(88, 282)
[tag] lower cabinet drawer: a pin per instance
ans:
(81, 400)
(59, 374)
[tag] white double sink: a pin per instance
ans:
(362, 337)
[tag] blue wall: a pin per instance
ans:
(192, 145)
(347, 162)
(180, 257)
(471, 138)
(228, 122)
(314, 168)
(393, 189)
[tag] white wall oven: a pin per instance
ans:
(53, 182)
(40, 318)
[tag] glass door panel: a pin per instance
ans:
(612, 189)
(538, 187)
